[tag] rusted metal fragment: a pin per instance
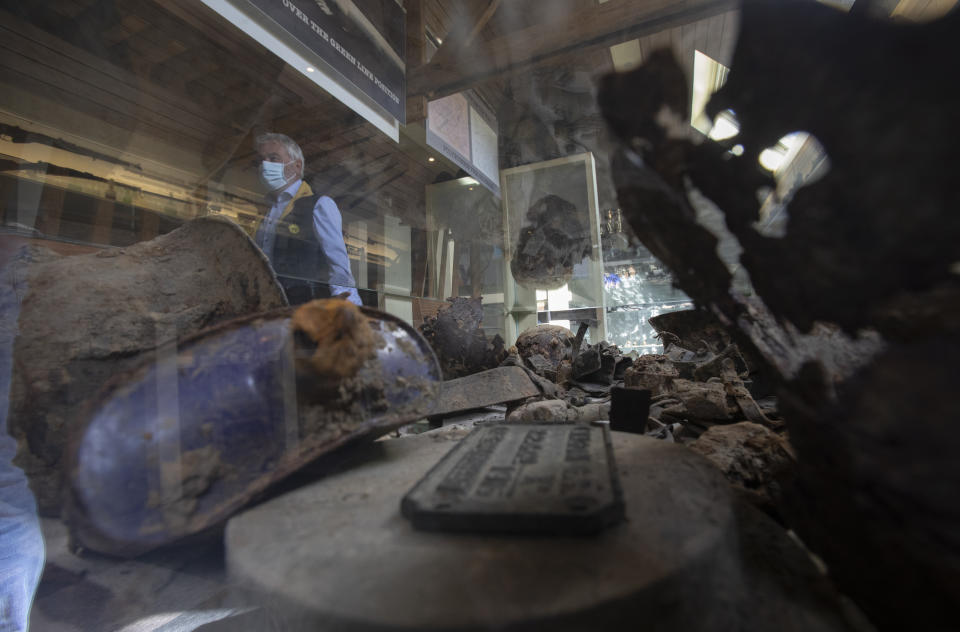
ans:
(692, 329)
(652, 372)
(461, 345)
(547, 349)
(586, 362)
(494, 386)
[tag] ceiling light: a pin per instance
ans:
(737, 150)
(790, 141)
(431, 159)
(844, 5)
(771, 159)
(708, 76)
(785, 151)
(725, 126)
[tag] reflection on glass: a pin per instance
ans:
(637, 288)
(465, 247)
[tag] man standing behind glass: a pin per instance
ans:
(302, 234)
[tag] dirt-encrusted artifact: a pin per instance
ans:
(86, 318)
(871, 244)
(552, 240)
(755, 460)
(598, 364)
(697, 390)
(179, 444)
(462, 347)
(547, 349)
(652, 372)
(334, 336)
(557, 410)
(698, 330)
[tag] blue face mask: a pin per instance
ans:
(271, 174)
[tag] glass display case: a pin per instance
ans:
(465, 253)
(154, 250)
(554, 267)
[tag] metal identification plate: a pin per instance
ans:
(523, 478)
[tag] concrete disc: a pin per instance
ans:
(337, 554)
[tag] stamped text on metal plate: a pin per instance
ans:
(548, 478)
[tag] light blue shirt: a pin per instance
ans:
(21, 545)
(328, 229)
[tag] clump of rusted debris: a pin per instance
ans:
(756, 461)
(332, 336)
(678, 396)
(550, 243)
(547, 350)
(557, 354)
(690, 391)
(695, 389)
(705, 398)
(461, 346)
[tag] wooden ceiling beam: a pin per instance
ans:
(50, 60)
(481, 21)
(577, 32)
(416, 108)
(214, 31)
(474, 16)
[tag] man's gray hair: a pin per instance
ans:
(288, 143)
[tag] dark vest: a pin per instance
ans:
(298, 259)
